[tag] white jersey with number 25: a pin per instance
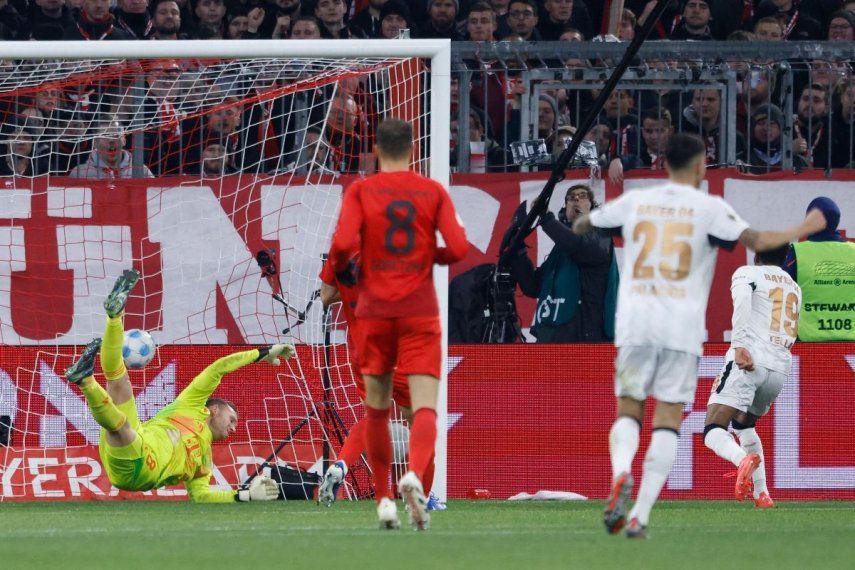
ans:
(766, 305)
(670, 237)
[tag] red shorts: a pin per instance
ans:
(407, 345)
(400, 384)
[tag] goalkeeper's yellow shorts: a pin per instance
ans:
(133, 467)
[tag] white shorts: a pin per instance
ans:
(751, 392)
(669, 376)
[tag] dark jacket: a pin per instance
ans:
(593, 253)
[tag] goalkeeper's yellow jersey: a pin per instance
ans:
(176, 442)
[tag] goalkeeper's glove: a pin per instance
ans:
(262, 488)
(271, 354)
(349, 276)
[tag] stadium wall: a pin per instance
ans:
(521, 418)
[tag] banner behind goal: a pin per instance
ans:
(219, 177)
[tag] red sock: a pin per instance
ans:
(427, 481)
(354, 444)
(378, 444)
(422, 441)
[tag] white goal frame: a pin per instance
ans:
(438, 51)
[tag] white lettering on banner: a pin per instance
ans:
(8, 476)
(96, 254)
(69, 202)
(8, 398)
(12, 259)
(77, 482)
(58, 393)
(301, 219)
(681, 476)
(200, 252)
(479, 215)
(788, 473)
(36, 465)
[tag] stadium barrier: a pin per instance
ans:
(521, 418)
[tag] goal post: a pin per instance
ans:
(229, 149)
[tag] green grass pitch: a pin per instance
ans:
(470, 534)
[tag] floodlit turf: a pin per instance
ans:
(470, 534)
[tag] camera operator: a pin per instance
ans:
(576, 287)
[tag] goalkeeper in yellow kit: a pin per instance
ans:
(175, 445)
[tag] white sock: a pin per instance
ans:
(750, 442)
(723, 444)
(623, 444)
(657, 463)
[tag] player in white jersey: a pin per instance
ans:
(670, 233)
(766, 305)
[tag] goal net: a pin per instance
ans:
(219, 178)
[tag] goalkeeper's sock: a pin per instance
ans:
(427, 481)
(112, 362)
(657, 463)
(103, 409)
(422, 441)
(723, 444)
(623, 444)
(750, 443)
(354, 444)
(378, 444)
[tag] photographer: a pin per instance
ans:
(576, 287)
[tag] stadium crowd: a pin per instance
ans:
(81, 130)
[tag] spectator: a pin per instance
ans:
(132, 16)
(769, 29)
(109, 160)
(843, 128)
(666, 25)
(656, 129)
(850, 6)
(522, 20)
(237, 23)
(695, 24)
(441, 20)
(343, 132)
(481, 23)
(331, 14)
(797, 24)
(601, 135)
(576, 287)
(315, 156)
(702, 117)
(215, 163)
(842, 27)
(628, 24)
(557, 15)
(210, 14)
(495, 158)
(166, 20)
(44, 13)
(366, 23)
(72, 145)
(766, 152)
(18, 158)
(95, 22)
(395, 17)
(547, 116)
(160, 107)
(500, 7)
(822, 268)
(273, 15)
(811, 126)
(305, 28)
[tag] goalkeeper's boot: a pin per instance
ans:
(434, 503)
(84, 367)
(414, 496)
(115, 302)
(332, 481)
(744, 483)
(764, 501)
(387, 513)
(614, 516)
(635, 529)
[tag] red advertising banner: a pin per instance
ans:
(536, 417)
(520, 417)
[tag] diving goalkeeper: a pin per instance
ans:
(175, 445)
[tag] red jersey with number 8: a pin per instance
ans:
(391, 218)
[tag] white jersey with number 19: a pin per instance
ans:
(670, 237)
(766, 305)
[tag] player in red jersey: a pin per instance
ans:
(354, 444)
(392, 218)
